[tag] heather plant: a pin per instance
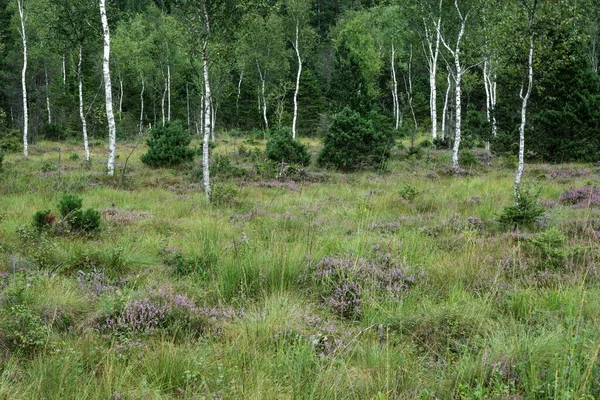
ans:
(346, 300)
(587, 196)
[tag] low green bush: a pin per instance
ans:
(282, 148)
(168, 146)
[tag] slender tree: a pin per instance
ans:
(23, 18)
(531, 8)
(112, 129)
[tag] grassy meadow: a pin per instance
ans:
(395, 284)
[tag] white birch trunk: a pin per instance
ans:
(86, 147)
(187, 104)
(525, 98)
(459, 71)
(395, 88)
(262, 97)
(162, 102)
(48, 97)
(432, 60)
(64, 70)
(112, 129)
(213, 120)
(120, 97)
(297, 49)
(142, 105)
(207, 125)
(22, 16)
(168, 92)
(445, 110)
(239, 93)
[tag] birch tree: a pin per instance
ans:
(302, 39)
(459, 70)
(112, 129)
(531, 8)
(432, 51)
(23, 33)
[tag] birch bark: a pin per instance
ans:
(23, 17)
(112, 129)
(86, 147)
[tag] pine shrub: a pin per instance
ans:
(168, 146)
(282, 148)
(353, 142)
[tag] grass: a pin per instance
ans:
(451, 305)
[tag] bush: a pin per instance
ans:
(24, 329)
(467, 159)
(77, 219)
(168, 146)
(525, 213)
(42, 219)
(68, 204)
(352, 142)
(282, 148)
(52, 132)
(11, 141)
(222, 167)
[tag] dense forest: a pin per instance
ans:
(428, 66)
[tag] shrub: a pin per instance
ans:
(42, 219)
(409, 192)
(468, 159)
(168, 146)
(223, 195)
(11, 141)
(525, 213)
(24, 329)
(282, 148)
(222, 167)
(77, 219)
(346, 300)
(353, 142)
(53, 132)
(68, 204)
(550, 246)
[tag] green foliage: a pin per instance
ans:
(525, 213)
(282, 148)
(53, 132)
(77, 219)
(467, 159)
(68, 204)
(11, 141)
(1, 160)
(168, 146)
(551, 247)
(222, 167)
(409, 192)
(43, 219)
(353, 142)
(224, 195)
(24, 329)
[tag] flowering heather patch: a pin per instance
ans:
(345, 300)
(95, 282)
(586, 196)
(383, 272)
(139, 316)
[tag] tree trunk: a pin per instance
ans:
(120, 97)
(395, 88)
(86, 146)
(24, 77)
(64, 70)
(458, 115)
(432, 59)
(162, 102)
(187, 104)
(142, 105)
(168, 92)
(48, 97)
(297, 49)
(525, 98)
(207, 125)
(112, 129)
(445, 111)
